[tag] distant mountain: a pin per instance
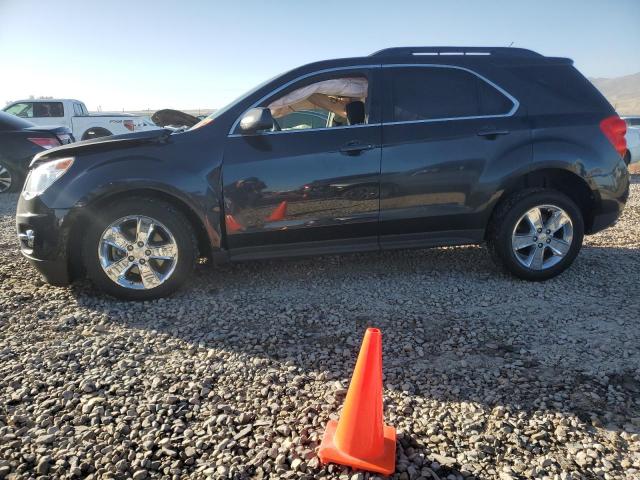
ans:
(622, 92)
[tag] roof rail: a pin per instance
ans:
(496, 51)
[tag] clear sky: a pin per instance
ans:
(189, 54)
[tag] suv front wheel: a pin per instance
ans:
(139, 249)
(536, 234)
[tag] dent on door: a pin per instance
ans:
(280, 186)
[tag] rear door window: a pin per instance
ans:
(77, 110)
(48, 109)
(433, 93)
(22, 110)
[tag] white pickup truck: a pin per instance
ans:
(74, 115)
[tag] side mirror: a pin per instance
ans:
(255, 120)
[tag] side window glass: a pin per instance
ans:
(323, 104)
(48, 109)
(316, 118)
(77, 110)
(23, 110)
(430, 93)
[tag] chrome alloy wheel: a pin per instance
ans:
(542, 237)
(138, 252)
(5, 179)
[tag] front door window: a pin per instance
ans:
(331, 102)
(23, 110)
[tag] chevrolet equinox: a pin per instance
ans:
(409, 147)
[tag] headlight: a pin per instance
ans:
(43, 176)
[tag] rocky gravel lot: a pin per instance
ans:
(236, 375)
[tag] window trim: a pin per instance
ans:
(510, 113)
(514, 100)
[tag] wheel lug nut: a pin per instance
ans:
(548, 232)
(142, 261)
(539, 230)
(140, 244)
(539, 245)
(147, 252)
(129, 247)
(548, 240)
(131, 259)
(535, 239)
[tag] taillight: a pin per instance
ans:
(129, 125)
(45, 142)
(614, 128)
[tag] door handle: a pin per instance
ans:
(354, 148)
(492, 133)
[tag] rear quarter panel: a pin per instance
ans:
(575, 143)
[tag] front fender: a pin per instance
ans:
(95, 180)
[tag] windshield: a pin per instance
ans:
(228, 107)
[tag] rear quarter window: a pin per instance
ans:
(558, 89)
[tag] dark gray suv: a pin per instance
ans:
(408, 147)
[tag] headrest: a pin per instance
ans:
(355, 112)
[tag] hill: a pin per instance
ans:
(622, 92)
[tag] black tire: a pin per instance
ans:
(15, 179)
(158, 210)
(503, 223)
(96, 132)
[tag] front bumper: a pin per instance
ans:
(49, 230)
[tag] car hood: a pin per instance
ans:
(114, 142)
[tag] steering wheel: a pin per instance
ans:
(276, 126)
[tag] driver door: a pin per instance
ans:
(312, 183)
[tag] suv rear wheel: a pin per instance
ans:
(139, 249)
(536, 234)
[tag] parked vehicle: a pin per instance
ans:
(19, 142)
(418, 149)
(633, 139)
(74, 114)
(174, 119)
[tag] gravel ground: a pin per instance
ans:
(235, 377)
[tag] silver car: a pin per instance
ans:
(633, 138)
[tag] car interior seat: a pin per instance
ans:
(355, 112)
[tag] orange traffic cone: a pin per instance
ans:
(231, 223)
(360, 439)
(279, 213)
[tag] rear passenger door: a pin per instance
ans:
(446, 132)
